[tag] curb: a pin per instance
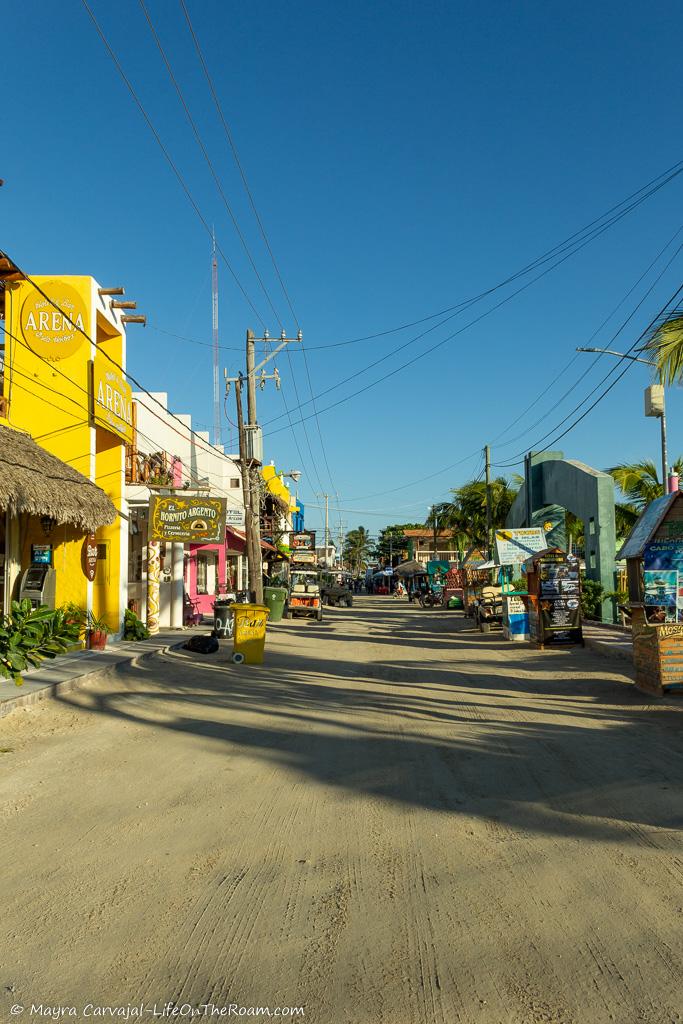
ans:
(51, 691)
(608, 651)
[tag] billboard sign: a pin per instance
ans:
(187, 520)
(514, 546)
(303, 541)
(112, 399)
(234, 516)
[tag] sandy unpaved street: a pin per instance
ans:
(395, 820)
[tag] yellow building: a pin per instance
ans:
(65, 349)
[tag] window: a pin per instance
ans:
(102, 570)
(207, 573)
(201, 574)
(234, 482)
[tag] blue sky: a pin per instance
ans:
(403, 157)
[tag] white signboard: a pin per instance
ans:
(514, 546)
(234, 515)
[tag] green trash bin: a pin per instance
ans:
(275, 598)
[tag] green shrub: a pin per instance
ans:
(133, 627)
(592, 595)
(27, 635)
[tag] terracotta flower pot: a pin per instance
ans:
(97, 640)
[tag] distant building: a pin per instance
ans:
(421, 545)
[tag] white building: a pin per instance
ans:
(166, 457)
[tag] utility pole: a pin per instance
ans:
(489, 513)
(251, 454)
(252, 562)
(214, 318)
(327, 520)
(434, 530)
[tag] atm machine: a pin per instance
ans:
(38, 581)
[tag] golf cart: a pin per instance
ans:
(337, 588)
(303, 593)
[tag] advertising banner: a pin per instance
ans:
(111, 399)
(187, 520)
(303, 541)
(559, 598)
(663, 580)
(514, 546)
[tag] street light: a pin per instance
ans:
(435, 521)
(651, 401)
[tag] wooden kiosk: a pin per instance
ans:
(654, 564)
(554, 586)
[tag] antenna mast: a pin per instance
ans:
(214, 313)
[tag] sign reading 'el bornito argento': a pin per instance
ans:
(187, 520)
(112, 399)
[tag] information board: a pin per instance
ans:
(559, 598)
(514, 546)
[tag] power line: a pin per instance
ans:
(207, 158)
(434, 327)
(229, 209)
(168, 157)
(592, 337)
(613, 384)
(207, 446)
(235, 154)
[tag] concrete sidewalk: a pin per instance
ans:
(612, 641)
(70, 670)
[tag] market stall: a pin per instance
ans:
(654, 561)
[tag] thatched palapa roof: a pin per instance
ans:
(39, 484)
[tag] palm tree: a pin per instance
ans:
(640, 484)
(465, 516)
(665, 344)
(357, 547)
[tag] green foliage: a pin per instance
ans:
(28, 635)
(392, 540)
(98, 624)
(665, 345)
(592, 595)
(133, 627)
(357, 548)
(74, 613)
(465, 515)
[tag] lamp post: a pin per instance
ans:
(659, 412)
(435, 526)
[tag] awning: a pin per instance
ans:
(411, 568)
(238, 540)
(36, 483)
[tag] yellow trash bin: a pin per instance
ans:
(249, 633)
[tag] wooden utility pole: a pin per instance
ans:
(489, 511)
(250, 453)
(253, 564)
(327, 521)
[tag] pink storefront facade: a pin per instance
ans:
(210, 570)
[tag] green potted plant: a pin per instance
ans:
(75, 616)
(133, 627)
(98, 631)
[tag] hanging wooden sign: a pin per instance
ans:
(89, 557)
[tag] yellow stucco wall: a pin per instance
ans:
(48, 382)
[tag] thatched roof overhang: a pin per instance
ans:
(36, 483)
